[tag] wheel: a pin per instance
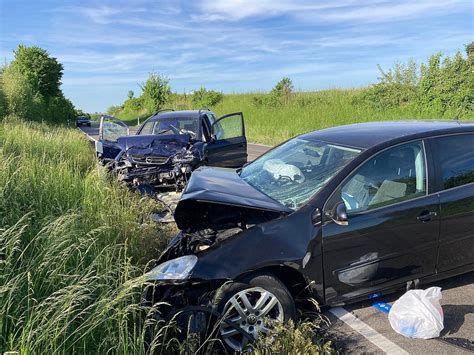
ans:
(252, 305)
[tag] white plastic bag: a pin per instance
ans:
(418, 314)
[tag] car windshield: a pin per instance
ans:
(296, 170)
(175, 125)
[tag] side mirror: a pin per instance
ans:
(339, 215)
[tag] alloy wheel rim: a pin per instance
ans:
(250, 310)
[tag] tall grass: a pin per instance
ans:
(72, 245)
(305, 112)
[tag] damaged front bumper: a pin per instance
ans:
(158, 171)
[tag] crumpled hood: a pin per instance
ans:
(221, 186)
(162, 145)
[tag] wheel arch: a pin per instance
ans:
(290, 277)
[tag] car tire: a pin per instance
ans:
(253, 286)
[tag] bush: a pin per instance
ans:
(204, 98)
(447, 85)
(20, 96)
(281, 94)
(397, 87)
(442, 86)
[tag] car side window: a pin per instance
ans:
(394, 175)
(228, 127)
(456, 158)
(148, 128)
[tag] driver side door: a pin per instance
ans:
(228, 145)
(110, 129)
(391, 232)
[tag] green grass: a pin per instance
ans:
(307, 111)
(71, 247)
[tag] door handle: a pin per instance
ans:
(426, 216)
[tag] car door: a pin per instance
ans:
(455, 172)
(392, 230)
(228, 145)
(110, 129)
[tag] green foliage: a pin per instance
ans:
(281, 94)
(134, 104)
(302, 338)
(30, 87)
(446, 85)
(3, 99)
(43, 72)
(156, 92)
(130, 94)
(20, 96)
(204, 98)
(442, 86)
(396, 88)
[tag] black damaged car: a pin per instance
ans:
(338, 214)
(169, 145)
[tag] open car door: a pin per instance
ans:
(228, 145)
(110, 130)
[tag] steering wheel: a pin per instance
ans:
(174, 129)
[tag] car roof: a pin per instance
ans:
(190, 114)
(369, 134)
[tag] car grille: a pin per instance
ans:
(151, 160)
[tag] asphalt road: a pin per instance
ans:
(253, 150)
(458, 308)
(370, 327)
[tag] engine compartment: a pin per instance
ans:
(210, 226)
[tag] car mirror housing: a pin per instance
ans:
(339, 215)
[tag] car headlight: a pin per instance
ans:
(175, 269)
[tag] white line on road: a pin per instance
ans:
(369, 333)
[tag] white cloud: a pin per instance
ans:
(324, 11)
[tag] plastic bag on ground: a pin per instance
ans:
(418, 314)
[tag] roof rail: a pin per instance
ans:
(163, 110)
(203, 109)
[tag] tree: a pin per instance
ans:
(283, 90)
(43, 72)
(130, 94)
(156, 92)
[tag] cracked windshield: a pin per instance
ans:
(295, 171)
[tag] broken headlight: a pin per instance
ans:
(175, 269)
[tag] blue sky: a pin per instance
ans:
(107, 47)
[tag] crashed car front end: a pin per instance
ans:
(157, 161)
(222, 230)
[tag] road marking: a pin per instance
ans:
(367, 332)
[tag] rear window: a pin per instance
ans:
(456, 158)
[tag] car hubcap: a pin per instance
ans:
(248, 310)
